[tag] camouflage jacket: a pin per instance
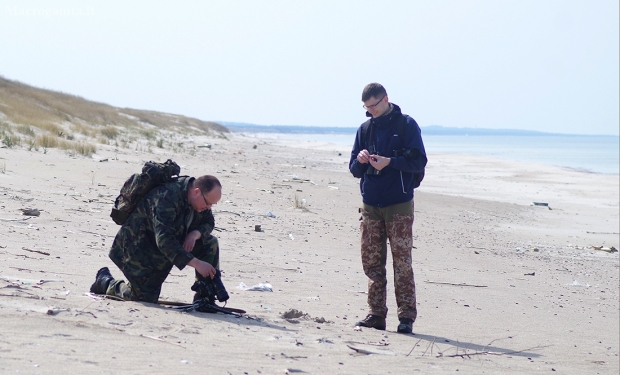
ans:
(152, 237)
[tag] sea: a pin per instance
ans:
(588, 153)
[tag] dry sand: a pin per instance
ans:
(503, 286)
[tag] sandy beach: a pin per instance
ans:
(503, 285)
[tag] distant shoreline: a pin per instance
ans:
(239, 127)
(593, 154)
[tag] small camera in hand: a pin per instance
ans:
(372, 170)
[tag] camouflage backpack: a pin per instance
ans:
(139, 184)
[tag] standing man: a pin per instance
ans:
(389, 157)
(171, 226)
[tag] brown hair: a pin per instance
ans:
(206, 183)
(375, 90)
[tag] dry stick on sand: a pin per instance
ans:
(35, 251)
(414, 345)
(226, 211)
(58, 273)
(98, 234)
(429, 345)
(486, 352)
(479, 248)
(460, 284)
(158, 339)
(23, 219)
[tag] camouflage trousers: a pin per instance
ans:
(144, 283)
(377, 226)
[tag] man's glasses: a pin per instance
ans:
(374, 105)
(205, 199)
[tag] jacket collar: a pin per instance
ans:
(387, 118)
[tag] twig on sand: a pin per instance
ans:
(429, 346)
(77, 312)
(479, 248)
(17, 295)
(367, 352)
(486, 352)
(21, 255)
(377, 343)
(459, 284)
(158, 339)
(35, 251)
(98, 234)
(295, 357)
(226, 211)
(416, 344)
(58, 273)
(99, 297)
(21, 219)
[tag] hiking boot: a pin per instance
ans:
(405, 326)
(102, 280)
(372, 321)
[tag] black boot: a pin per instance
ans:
(102, 280)
(372, 321)
(405, 326)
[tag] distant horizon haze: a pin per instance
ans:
(547, 66)
(435, 129)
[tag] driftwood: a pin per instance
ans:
(460, 284)
(35, 251)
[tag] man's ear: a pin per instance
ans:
(196, 192)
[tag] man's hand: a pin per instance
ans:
(363, 157)
(190, 240)
(203, 268)
(379, 162)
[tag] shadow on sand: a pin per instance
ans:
(436, 345)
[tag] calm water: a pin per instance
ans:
(597, 154)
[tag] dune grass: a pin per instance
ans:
(51, 119)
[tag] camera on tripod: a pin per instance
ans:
(211, 289)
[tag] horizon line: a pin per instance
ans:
(438, 127)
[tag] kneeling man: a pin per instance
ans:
(171, 226)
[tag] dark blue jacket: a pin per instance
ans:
(396, 182)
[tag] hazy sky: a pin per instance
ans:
(538, 65)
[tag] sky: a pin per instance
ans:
(548, 66)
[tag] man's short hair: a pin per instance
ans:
(206, 183)
(375, 90)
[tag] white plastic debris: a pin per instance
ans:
(266, 287)
(577, 283)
